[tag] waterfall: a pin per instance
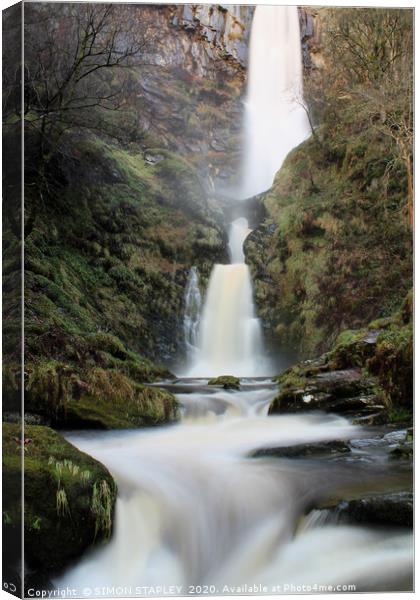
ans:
(275, 119)
(195, 513)
(230, 337)
(192, 313)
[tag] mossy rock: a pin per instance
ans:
(313, 385)
(95, 397)
(143, 407)
(373, 364)
(392, 363)
(228, 382)
(69, 497)
(353, 348)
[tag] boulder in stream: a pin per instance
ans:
(395, 508)
(315, 387)
(228, 382)
(304, 450)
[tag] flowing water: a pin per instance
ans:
(230, 335)
(275, 118)
(197, 514)
(230, 338)
(192, 314)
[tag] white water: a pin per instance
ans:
(192, 314)
(275, 120)
(238, 233)
(230, 336)
(193, 509)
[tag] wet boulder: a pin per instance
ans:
(312, 387)
(228, 382)
(382, 509)
(304, 450)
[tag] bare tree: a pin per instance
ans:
(369, 78)
(75, 58)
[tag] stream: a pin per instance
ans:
(197, 514)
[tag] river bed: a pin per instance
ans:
(198, 514)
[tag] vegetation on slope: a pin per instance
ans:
(116, 211)
(335, 251)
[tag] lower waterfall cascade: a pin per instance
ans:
(230, 336)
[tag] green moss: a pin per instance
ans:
(294, 377)
(114, 403)
(351, 349)
(105, 275)
(392, 364)
(67, 395)
(226, 381)
(61, 498)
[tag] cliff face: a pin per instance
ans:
(214, 34)
(310, 19)
(192, 101)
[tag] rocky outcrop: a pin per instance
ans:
(345, 380)
(345, 391)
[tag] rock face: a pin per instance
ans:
(225, 28)
(194, 96)
(311, 36)
(69, 498)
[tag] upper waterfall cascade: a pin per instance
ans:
(275, 117)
